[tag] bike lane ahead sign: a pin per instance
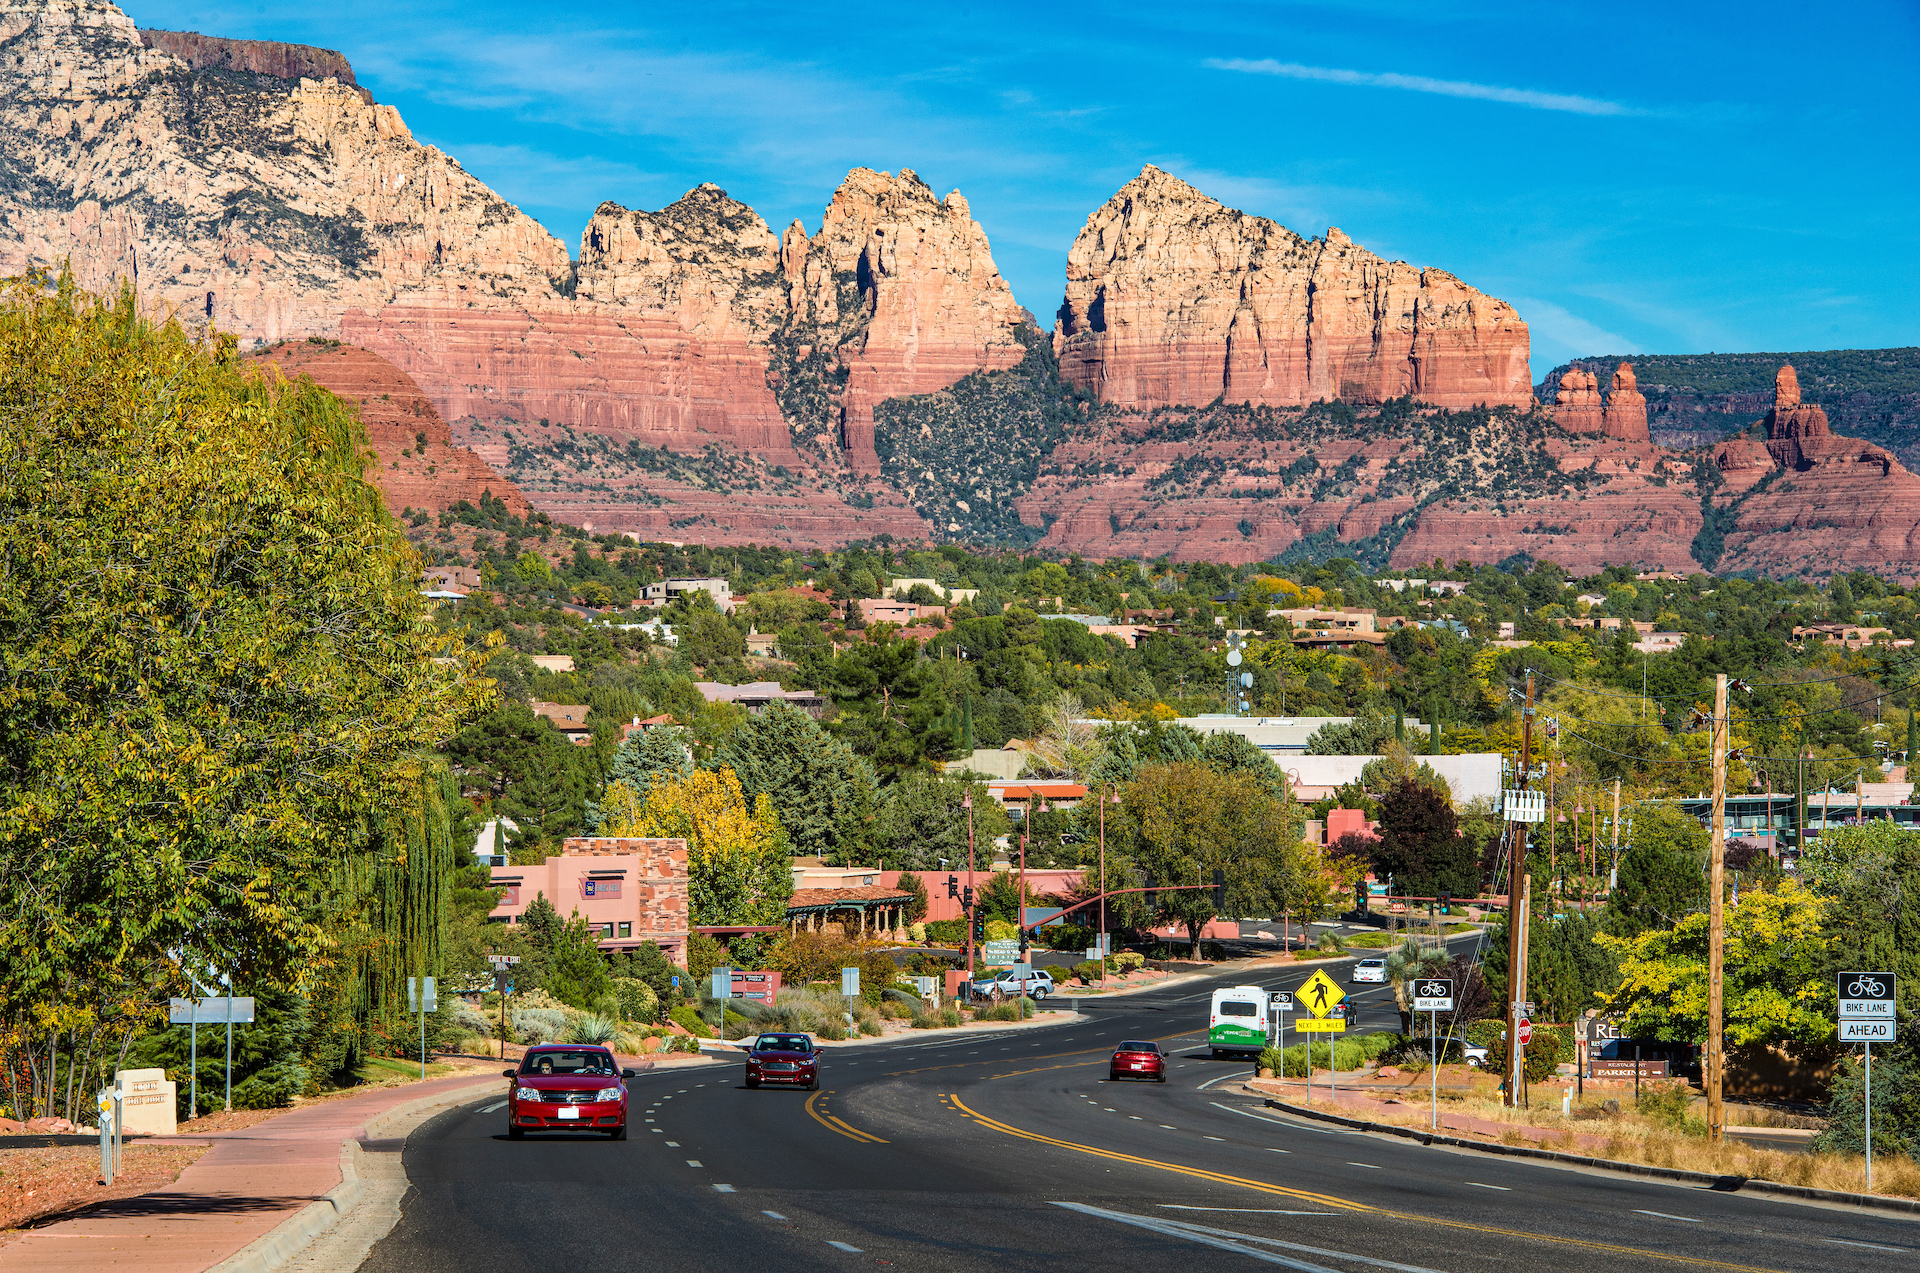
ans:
(1866, 1007)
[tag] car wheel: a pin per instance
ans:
(516, 1133)
(620, 1132)
(1039, 992)
(1216, 1054)
(1161, 1079)
(752, 1083)
(813, 1085)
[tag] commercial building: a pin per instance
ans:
(629, 890)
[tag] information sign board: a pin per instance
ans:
(216, 1011)
(1000, 952)
(1321, 1025)
(1866, 1032)
(1433, 994)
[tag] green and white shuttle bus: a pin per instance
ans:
(1238, 1021)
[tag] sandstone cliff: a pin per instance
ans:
(268, 208)
(416, 463)
(1173, 298)
(261, 57)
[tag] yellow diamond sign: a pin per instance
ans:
(1321, 994)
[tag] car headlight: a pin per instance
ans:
(609, 1093)
(526, 1094)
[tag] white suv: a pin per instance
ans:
(1369, 970)
(1038, 983)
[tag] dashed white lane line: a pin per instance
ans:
(673, 1144)
(1369, 1166)
(1664, 1216)
(1272, 1150)
(693, 1162)
(773, 1215)
(723, 1188)
(1169, 1127)
(1477, 1185)
(849, 1248)
(496, 1105)
(1221, 1139)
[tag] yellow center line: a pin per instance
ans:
(1327, 1200)
(833, 1124)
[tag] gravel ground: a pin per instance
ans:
(49, 1181)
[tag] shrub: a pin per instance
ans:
(948, 932)
(1067, 936)
(593, 1029)
(870, 1025)
(542, 1025)
(1011, 1010)
(638, 1000)
(681, 1043)
(1088, 971)
(689, 1020)
(1002, 930)
(1549, 1048)
(272, 1088)
(1293, 1062)
(918, 932)
(1128, 961)
(1486, 1034)
(950, 1017)
(474, 1021)
(1668, 1104)
(833, 1029)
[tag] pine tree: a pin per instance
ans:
(967, 744)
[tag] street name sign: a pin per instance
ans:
(1322, 994)
(1433, 994)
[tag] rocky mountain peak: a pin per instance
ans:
(1786, 388)
(1174, 298)
(706, 257)
(1626, 413)
(261, 57)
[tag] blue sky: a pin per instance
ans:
(1669, 178)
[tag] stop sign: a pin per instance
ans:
(1526, 1032)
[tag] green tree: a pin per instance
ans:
(919, 823)
(911, 883)
(222, 688)
(576, 971)
(1190, 821)
(894, 710)
(822, 792)
(1661, 872)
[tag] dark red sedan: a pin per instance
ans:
(1138, 1060)
(783, 1058)
(568, 1088)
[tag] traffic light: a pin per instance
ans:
(979, 927)
(1446, 899)
(1219, 890)
(1151, 897)
(966, 898)
(953, 886)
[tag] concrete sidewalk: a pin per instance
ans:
(251, 1181)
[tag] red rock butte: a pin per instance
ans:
(1173, 298)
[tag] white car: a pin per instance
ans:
(1369, 970)
(1476, 1056)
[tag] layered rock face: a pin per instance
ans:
(416, 463)
(1798, 436)
(1577, 405)
(1173, 298)
(1626, 413)
(262, 57)
(270, 208)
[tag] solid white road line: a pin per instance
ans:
(1228, 1240)
(496, 1105)
(842, 1246)
(1664, 1216)
(1477, 1185)
(1221, 1079)
(1871, 1246)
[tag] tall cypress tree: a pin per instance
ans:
(966, 728)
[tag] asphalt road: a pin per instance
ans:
(999, 1153)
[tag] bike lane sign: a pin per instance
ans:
(1866, 1007)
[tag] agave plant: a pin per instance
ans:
(594, 1029)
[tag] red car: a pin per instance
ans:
(783, 1058)
(1138, 1060)
(568, 1088)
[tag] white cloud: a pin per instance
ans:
(1423, 84)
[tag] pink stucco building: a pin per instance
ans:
(629, 890)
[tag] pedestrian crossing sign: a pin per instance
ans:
(1321, 993)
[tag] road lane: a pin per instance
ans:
(956, 1153)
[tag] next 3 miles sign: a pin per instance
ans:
(1866, 1007)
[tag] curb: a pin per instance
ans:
(1719, 1184)
(279, 1245)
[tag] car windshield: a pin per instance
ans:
(783, 1043)
(537, 1063)
(1139, 1047)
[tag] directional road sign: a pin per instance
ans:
(1281, 1001)
(1000, 952)
(1433, 994)
(1321, 994)
(218, 1011)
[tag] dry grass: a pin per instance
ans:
(1634, 1138)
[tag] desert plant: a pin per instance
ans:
(870, 1026)
(687, 1017)
(542, 1025)
(593, 1029)
(638, 1000)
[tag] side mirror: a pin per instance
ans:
(629, 1074)
(512, 1074)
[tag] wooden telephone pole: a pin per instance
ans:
(1716, 884)
(1517, 902)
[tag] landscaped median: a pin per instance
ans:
(1604, 1128)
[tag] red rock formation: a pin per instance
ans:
(417, 464)
(1626, 412)
(1173, 298)
(263, 57)
(1577, 405)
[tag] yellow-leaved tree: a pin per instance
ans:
(738, 863)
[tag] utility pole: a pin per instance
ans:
(1516, 921)
(1716, 938)
(1613, 870)
(967, 802)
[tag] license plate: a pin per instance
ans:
(1139, 1065)
(569, 1111)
